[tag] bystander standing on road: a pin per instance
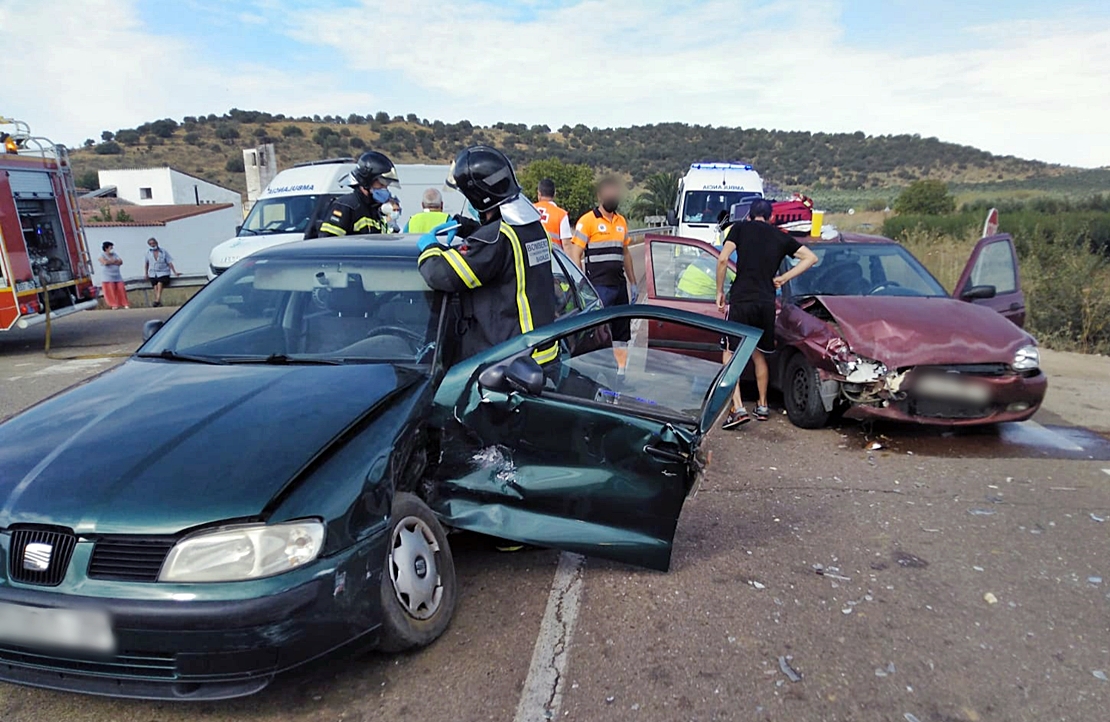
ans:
(431, 214)
(760, 249)
(111, 277)
(600, 247)
(555, 220)
(158, 267)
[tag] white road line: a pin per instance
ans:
(544, 686)
(1055, 439)
(1106, 471)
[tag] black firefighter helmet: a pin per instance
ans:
(484, 176)
(373, 166)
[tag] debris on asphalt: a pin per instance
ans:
(846, 610)
(981, 512)
(990, 598)
(881, 672)
(910, 718)
(789, 671)
(610, 699)
(1099, 674)
(1097, 518)
(909, 561)
(874, 446)
(1094, 580)
(756, 584)
(978, 569)
(831, 573)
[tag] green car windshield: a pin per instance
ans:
(306, 310)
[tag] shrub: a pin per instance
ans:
(192, 138)
(89, 179)
(107, 135)
(356, 142)
(292, 131)
(109, 147)
(128, 137)
(235, 165)
(926, 197)
(227, 132)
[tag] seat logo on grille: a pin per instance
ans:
(36, 557)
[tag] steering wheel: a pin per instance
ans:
(407, 334)
(880, 286)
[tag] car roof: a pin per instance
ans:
(853, 238)
(397, 245)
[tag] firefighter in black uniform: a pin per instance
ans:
(500, 267)
(360, 211)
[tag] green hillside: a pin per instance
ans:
(844, 164)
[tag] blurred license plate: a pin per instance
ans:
(66, 628)
(953, 388)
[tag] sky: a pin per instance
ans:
(1014, 77)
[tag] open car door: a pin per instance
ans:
(579, 456)
(991, 278)
(682, 273)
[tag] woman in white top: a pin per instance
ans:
(111, 283)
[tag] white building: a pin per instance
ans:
(167, 187)
(260, 166)
(188, 232)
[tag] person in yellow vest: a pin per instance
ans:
(555, 220)
(432, 214)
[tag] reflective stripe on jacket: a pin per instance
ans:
(604, 241)
(503, 273)
(355, 214)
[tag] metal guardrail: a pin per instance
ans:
(637, 235)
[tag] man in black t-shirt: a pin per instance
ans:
(760, 248)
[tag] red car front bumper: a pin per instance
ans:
(1011, 397)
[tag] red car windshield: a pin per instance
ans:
(871, 269)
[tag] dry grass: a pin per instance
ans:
(858, 222)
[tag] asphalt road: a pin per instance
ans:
(910, 539)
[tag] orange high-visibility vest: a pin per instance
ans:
(555, 221)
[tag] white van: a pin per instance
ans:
(294, 199)
(297, 197)
(707, 190)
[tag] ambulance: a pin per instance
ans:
(708, 190)
(295, 198)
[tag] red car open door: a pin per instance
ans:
(682, 273)
(991, 278)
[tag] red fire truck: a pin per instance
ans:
(44, 258)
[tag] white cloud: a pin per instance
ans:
(1034, 90)
(99, 68)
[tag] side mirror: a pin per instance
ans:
(979, 293)
(672, 218)
(151, 327)
(522, 374)
(238, 229)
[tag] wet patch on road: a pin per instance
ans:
(1025, 440)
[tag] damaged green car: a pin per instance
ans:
(271, 475)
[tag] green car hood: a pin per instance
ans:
(157, 447)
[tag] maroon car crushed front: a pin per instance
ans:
(869, 333)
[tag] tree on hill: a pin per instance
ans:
(925, 197)
(658, 196)
(574, 184)
(292, 131)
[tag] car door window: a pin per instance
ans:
(587, 296)
(656, 383)
(685, 271)
(996, 267)
(566, 300)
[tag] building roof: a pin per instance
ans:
(142, 215)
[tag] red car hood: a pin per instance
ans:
(903, 331)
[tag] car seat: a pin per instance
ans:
(347, 319)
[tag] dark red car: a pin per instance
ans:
(868, 332)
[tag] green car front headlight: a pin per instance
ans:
(248, 551)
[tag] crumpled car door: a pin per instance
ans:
(579, 456)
